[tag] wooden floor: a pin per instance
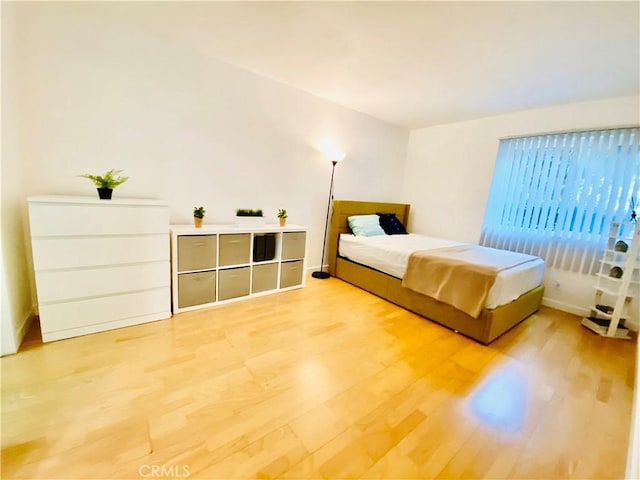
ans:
(326, 381)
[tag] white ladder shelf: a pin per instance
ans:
(617, 282)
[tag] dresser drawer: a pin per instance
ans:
(100, 219)
(64, 285)
(196, 288)
(265, 277)
(291, 274)
(235, 249)
(293, 245)
(196, 252)
(83, 313)
(69, 252)
(233, 282)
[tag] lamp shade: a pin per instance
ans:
(335, 155)
(330, 151)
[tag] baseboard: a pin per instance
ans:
(565, 307)
(579, 311)
(24, 327)
(317, 269)
(18, 333)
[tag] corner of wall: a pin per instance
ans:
(23, 327)
(17, 336)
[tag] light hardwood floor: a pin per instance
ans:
(326, 381)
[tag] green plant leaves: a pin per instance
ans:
(111, 179)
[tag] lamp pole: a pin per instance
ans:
(321, 274)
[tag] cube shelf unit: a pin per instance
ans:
(216, 264)
(617, 283)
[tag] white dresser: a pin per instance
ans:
(99, 264)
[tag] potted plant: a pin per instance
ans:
(282, 216)
(198, 215)
(249, 217)
(107, 182)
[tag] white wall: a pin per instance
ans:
(450, 167)
(16, 298)
(92, 94)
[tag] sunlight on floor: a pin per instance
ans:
(501, 401)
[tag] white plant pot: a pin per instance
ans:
(250, 221)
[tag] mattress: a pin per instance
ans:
(390, 254)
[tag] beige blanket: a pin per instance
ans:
(460, 276)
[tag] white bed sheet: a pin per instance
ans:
(390, 254)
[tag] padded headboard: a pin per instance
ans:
(342, 209)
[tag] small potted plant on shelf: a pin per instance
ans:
(249, 217)
(198, 215)
(282, 216)
(107, 182)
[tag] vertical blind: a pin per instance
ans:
(556, 195)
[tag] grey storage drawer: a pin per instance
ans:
(293, 245)
(233, 282)
(265, 277)
(235, 248)
(196, 252)
(196, 288)
(291, 274)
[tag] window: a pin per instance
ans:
(556, 195)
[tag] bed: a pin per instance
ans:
(490, 323)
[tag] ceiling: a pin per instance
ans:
(416, 64)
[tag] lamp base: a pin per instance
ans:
(322, 275)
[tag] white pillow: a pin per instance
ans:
(365, 225)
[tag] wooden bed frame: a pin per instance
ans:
(491, 323)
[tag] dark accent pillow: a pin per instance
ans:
(391, 225)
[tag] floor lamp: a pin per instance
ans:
(335, 156)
